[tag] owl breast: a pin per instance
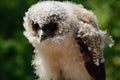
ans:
(60, 59)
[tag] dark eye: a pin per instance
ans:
(35, 26)
(50, 27)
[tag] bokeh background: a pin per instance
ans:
(16, 52)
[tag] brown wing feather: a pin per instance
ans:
(96, 71)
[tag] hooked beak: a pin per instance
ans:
(42, 35)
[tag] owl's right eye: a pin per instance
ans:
(35, 26)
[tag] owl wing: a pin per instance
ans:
(96, 71)
(90, 41)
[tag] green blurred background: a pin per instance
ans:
(16, 52)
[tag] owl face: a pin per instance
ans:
(48, 30)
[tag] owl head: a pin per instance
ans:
(49, 19)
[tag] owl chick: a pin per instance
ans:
(68, 44)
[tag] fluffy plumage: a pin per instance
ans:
(68, 43)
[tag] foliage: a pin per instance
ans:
(16, 52)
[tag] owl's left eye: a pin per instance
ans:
(50, 28)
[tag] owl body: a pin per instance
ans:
(68, 43)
